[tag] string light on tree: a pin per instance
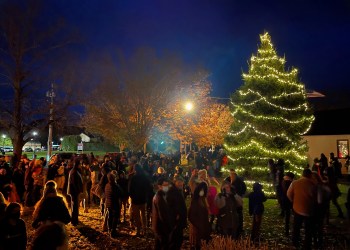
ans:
(271, 113)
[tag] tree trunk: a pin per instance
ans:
(18, 144)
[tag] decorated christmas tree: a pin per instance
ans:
(271, 113)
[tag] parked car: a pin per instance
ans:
(28, 150)
(8, 149)
(56, 148)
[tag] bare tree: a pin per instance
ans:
(26, 45)
(134, 96)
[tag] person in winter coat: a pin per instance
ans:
(238, 185)
(198, 216)
(178, 210)
(285, 202)
(102, 183)
(86, 176)
(139, 189)
(322, 206)
(60, 178)
(38, 180)
(29, 185)
(280, 166)
(18, 181)
(74, 189)
(3, 205)
(113, 194)
(123, 183)
(52, 235)
(95, 171)
(51, 207)
(162, 224)
(332, 182)
(228, 203)
(213, 210)
(303, 194)
(197, 177)
(256, 209)
(13, 231)
(52, 168)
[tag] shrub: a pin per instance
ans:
(226, 243)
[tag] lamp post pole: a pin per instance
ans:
(61, 140)
(189, 107)
(51, 95)
(3, 142)
(33, 144)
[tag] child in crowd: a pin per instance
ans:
(256, 209)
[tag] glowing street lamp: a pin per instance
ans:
(188, 106)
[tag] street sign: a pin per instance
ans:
(80, 146)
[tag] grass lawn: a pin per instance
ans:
(272, 229)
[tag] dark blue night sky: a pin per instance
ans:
(222, 35)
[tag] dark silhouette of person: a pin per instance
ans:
(74, 189)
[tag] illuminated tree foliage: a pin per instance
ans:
(181, 122)
(135, 95)
(213, 125)
(271, 113)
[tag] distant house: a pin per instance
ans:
(330, 132)
(85, 137)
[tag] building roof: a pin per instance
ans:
(330, 122)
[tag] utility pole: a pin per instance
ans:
(51, 95)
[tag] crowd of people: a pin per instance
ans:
(308, 198)
(150, 191)
(122, 184)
